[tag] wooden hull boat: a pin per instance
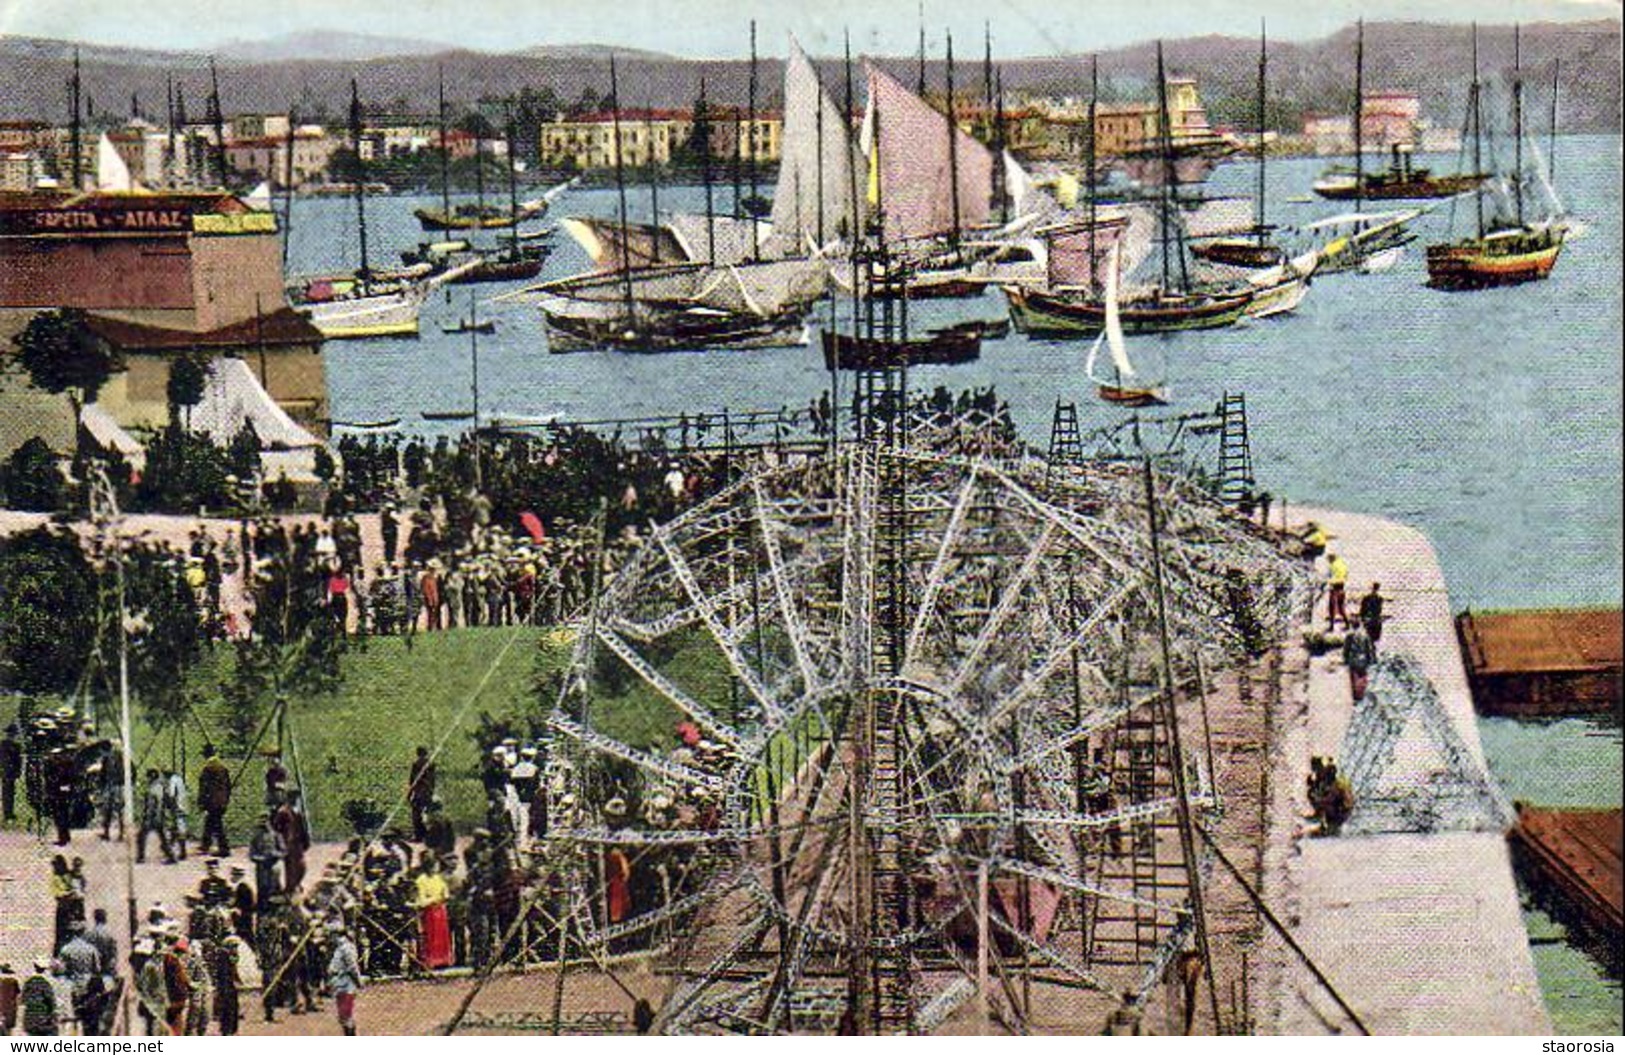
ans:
(1133, 397)
(1053, 315)
(697, 329)
(940, 348)
(1506, 258)
(1238, 252)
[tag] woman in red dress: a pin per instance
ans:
(434, 930)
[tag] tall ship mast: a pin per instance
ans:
(1508, 247)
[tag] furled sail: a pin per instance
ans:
(911, 173)
(813, 199)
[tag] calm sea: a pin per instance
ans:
(1491, 420)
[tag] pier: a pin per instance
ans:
(1416, 923)
(1543, 663)
(1575, 855)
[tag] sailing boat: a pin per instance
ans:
(515, 260)
(1254, 250)
(1069, 311)
(1280, 284)
(1506, 251)
(1120, 389)
(363, 304)
(679, 306)
(1359, 241)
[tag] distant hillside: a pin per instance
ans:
(326, 44)
(1431, 60)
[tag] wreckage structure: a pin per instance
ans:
(888, 739)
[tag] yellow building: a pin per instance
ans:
(586, 143)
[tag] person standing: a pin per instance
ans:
(420, 787)
(10, 998)
(390, 529)
(434, 931)
(66, 899)
(223, 970)
(61, 787)
(289, 822)
(83, 966)
(1337, 578)
(11, 769)
(266, 850)
(1359, 654)
(343, 976)
(110, 790)
(213, 797)
(177, 986)
(1371, 617)
(100, 935)
(38, 996)
(429, 591)
(152, 818)
(175, 810)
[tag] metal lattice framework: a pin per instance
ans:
(933, 724)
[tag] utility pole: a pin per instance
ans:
(110, 522)
(75, 128)
(620, 185)
(755, 228)
(953, 146)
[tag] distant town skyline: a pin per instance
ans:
(717, 28)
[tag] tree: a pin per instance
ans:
(188, 375)
(62, 356)
(47, 612)
(31, 480)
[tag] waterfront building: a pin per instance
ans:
(588, 142)
(161, 274)
(267, 158)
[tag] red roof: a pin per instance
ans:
(280, 328)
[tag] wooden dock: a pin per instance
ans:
(1543, 663)
(1576, 855)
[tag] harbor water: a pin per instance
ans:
(1490, 420)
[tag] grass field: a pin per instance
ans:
(359, 741)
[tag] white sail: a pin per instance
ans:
(111, 171)
(813, 198)
(259, 199)
(1114, 322)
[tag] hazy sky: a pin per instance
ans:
(717, 28)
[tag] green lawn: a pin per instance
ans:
(359, 741)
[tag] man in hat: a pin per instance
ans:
(213, 890)
(213, 798)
